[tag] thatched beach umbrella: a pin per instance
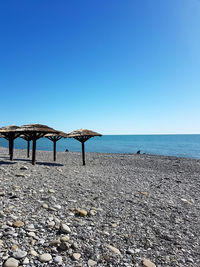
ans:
(34, 132)
(10, 133)
(82, 136)
(54, 138)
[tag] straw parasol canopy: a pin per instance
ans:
(34, 132)
(54, 138)
(10, 133)
(82, 135)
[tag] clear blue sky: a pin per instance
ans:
(116, 67)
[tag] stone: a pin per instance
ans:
(32, 241)
(185, 200)
(76, 256)
(64, 246)
(93, 212)
(26, 261)
(9, 223)
(45, 206)
(74, 245)
(41, 241)
(51, 191)
(19, 254)
(115, 250)
(55, 243)
(18, 223)
(81, 212)
(91, 262)
(33, 253)
(65, 228)
(30, 227)
(148, 263)
(137, 250)
(64, 238)
(190, 260)
(31, 234)
(54, 250)
(52, 209)
(11, 262)
(46, 257)
(130, 251)
(14, 247)
(51, 224)
(58, 259)
(57, 207)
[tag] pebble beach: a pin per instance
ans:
(118, 210)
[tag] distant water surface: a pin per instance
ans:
(170, 145)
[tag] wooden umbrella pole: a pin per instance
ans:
(28, 148)
(9, 144)
(34, 151)
(83, 152)
(11, 148)
(54, 149)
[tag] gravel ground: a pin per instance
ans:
(118, 210)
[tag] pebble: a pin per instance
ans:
(65, 228)
(76, 256)
(55, 243)
(57, 207)
(46, 257)
(64, 246)
(64, 238)
(26, 261)
(19, 254)
(33, 253)
(115, 250)
(11, 262)
(91, 262)
(81, 212)
(14, 247)
(93, 212)
(58, 259)
(51, 191)
(31, 234)
(18, 223)
(45, 206)
(148, 263)
(51, 224)
(130, 251)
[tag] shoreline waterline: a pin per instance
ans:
(23, 152)
(187, 146)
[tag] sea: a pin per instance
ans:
(183, 145)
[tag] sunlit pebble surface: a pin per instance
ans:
(138, 207)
